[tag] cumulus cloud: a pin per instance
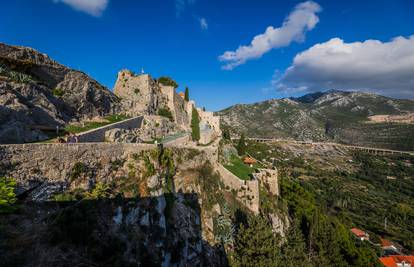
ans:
(91, 7)
(302, 19)
(203, 24)
(371, 65)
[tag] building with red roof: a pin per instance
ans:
(398, 261)
(360, 234)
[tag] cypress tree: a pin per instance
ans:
(195, 125)
(186, 94)
(241, 146)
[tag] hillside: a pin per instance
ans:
(345, 117)
(37, 91)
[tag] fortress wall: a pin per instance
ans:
(176, 104)
(98, 134)
(213, 121)
(269, 179)
(247, 191)
(54, 162)
(181, 141)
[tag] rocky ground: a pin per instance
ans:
(37, 92)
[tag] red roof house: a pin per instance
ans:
(360, 234)
(398, 261)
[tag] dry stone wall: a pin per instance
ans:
(247, 191)
(98, 134)
(269, 179)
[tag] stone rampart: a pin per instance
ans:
(269, 179)
(53, 163)
(247, 191)
(180, 141)
(98, 134)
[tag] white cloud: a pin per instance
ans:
(303, 18)
(91, 7)
(372, 65)
(181, 5)
(203, 23)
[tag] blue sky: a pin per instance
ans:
(185, 38)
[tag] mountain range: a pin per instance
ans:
(341, 116)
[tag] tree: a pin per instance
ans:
(168, 81)
(195, 125)
(241, 146)
(186, 94)
(255, 244)
(226, 134)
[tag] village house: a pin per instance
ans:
(361, 235)
(388, 247)
(398, 261)
(249, 161)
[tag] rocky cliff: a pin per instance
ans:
(37, 92)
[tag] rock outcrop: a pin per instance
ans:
(36, 93)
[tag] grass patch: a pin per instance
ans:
(93, 125)
(238, 168)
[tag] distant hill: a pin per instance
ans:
(345, 117)
(36, 90)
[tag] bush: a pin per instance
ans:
(167, 81)
(166, 112)
(58, 92)
(100, 191)
(77, 170)
(7, 195)
(195, 125)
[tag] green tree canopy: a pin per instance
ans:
(241, 146)
(187, 94)
(195, 125)
(168, 81)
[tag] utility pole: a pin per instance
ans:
(385, 223)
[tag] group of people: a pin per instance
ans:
(69, 138)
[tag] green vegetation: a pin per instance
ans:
(186, 94)
(136, 91)
(195, 125)
(100, 191)
(93, 125)
(166, 112)
(256, 245)
(58, 92)
(226, 133)
(167, 81)
(241, 146)
(77, 170)
(7, 194)
(238, 168)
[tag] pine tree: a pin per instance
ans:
(241, 146)
(256, 244)
(195, 125)
(186, 94)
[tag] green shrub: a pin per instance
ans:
(136, 91)
(167, 81)
(77, 169)
(166, 112)
(7, 194)
(58, 92)
(100, 191)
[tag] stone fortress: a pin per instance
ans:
(144, 96)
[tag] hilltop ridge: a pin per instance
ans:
(340, 116)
